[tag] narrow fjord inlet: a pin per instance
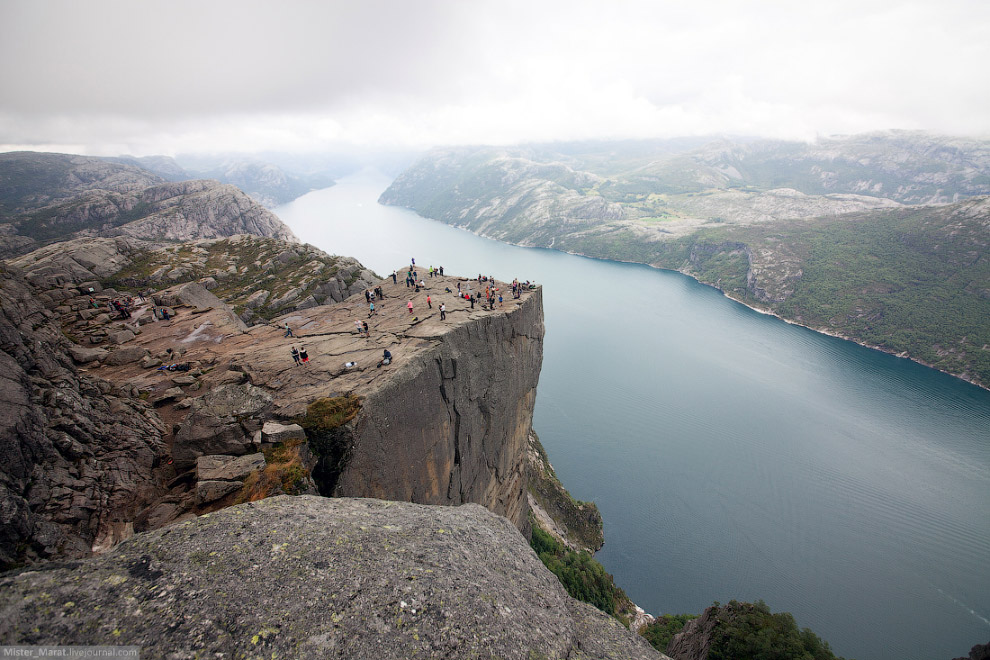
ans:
(733, 455)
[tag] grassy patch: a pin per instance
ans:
(660, 632)
(329, 439)
(583, 577)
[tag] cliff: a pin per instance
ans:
(309, 577)
(445, 423)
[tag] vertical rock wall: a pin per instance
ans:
(451, 426)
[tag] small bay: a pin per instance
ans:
(733, 455)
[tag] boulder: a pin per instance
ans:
(83, 355)
(228, 468)
(209, 491)
(126, 355)
(308, 302)
(313, 577)
(273, 432)
(121, 336)
(256, 299)
(168, 395)
(214, 423)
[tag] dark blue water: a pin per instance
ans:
(733, 455)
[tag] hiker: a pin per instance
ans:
(409, 305)
(367, 296)
(303, 355)
(429, 302)
(443, 312)
(288, 331)
(387, 357)
(395, 277)
(295, 356)
(360, 328)
(472, 302)
(93, 303)
(413, 260)
(441, 271)
(367, 330)
(431, 271)
(458, 288)
(500, 300)
(447, 289)
(165, 316)
(372, 310)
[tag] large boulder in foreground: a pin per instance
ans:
(309, 577)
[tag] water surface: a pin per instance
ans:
(733, 455)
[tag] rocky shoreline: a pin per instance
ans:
(768, 312)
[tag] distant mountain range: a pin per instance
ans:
(52, 197)
(882, 238)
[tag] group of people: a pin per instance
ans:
(123, 306)
(492, 297)
(300, 355)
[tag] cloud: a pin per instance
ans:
(180, 75)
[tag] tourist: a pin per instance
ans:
(295, 355)
(429, 302)
(409, 305)
(441, 271)
(387, 359)
(395, 277)
(288, 330)
(443, 312)
(367, 330)
(303, 355)
(371, 306)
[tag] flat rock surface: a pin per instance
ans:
(308, 577)
(329, 335)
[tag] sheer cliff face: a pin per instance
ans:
(451, 425)
(76, 454)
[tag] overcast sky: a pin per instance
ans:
(108, 77)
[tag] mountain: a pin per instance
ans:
(880, 238)
(266, 182)
(50, 197)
